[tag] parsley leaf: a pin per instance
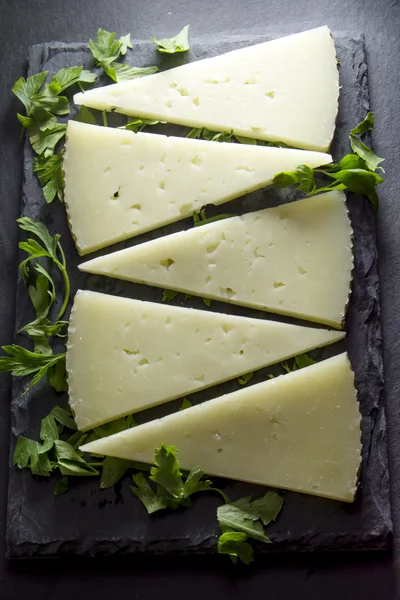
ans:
(178, 43)
(27, 455)
(26, 89)
(169, 295)
(153, 501)
(84, 115)
(113, 470)
(61, 486)
(106, 50)
(200, 218)
(45, 142)
(245, 519)
(64, 78)
(51, 176)
(234, 543)
(242, 516)
(121, 72)
(70, 461)
(244, 379)
(137, 124)
(366, 125)
(185, 404)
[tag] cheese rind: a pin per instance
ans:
(284, 90)
(300, 431)
(127, 355)
(119, 184)
(294, 259)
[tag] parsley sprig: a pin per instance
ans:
(354, 172)
(37, 276)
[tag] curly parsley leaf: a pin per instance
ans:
(178, 43)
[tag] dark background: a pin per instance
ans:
(26, 22)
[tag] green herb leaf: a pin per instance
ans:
(125, 41)
(244, 379)
(45, 142)
(269, 507)
(106, 48)
(166, 472)
(51, 176)
(42, 327)
(178, 43)
(242, 516)
(61, 486)
(137, 124)
(65, 78)
(303, 360)
(366, 125)
(360, 182)
(25, 89)
(122, 72)
(84, 115)
(115, 426)
(57, 376)
(201, 219)
(70, 462)
(113, 470)
(234, 544)
(169, 295)
(153, 501)
(371, 159)
(27, 455)
(185, 404)
(194, 483)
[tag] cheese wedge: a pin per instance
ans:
(295, 259)
(119, 184)
(285, 90)
(126, 355)
(300, 432)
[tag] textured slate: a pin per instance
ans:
(87, 521)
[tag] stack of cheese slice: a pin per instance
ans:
(300, 431)
(286, 90)
(294, 259)
(127, 355)
(119, 184)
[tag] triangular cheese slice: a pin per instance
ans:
(295, 259)
(285, 90)
(300, 431)
(119, 184)
(126, 355)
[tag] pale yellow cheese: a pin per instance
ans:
(119, 184)
(126, 355)
(284, 90)
(295, 259)
(300, 431)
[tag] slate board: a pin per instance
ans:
(88, 521)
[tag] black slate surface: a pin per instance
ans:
(87, 521)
